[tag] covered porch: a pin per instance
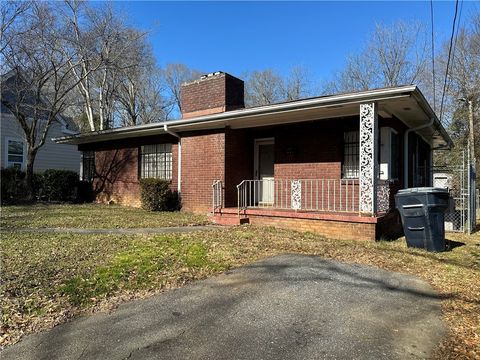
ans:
(330, 175)
(327, 206)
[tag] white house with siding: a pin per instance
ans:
(13, 147)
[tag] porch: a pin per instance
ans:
(336, 176)
(326, 206)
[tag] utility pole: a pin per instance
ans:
(472, 168)
(471, 133)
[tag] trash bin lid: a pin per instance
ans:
(423, 190)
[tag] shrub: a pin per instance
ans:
(85, 192)
(38, 184)
(51, 185)
(13, 185)
(59, 185)
(156, 195)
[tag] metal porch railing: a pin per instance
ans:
(217, 196)
(326, 195)
(330, 195)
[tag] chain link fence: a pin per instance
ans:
(461, 184)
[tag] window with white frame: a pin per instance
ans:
(15, 153)
(351, 155)
(156, 161)
(88, 165)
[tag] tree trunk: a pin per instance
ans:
(30, 194)
(89, 113)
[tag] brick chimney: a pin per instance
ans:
(211, 94)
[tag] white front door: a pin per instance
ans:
(264, 165)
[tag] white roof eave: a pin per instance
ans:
(264, 115)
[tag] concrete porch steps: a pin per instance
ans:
(228, 218)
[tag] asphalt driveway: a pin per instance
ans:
(284, 307)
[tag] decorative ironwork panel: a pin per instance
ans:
(296, 200)
(383, 196)
(368, 158)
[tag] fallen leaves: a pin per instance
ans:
(105, 270)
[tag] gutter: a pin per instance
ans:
(428, 110)
(221, 118)
(405, 149)
(179, 166)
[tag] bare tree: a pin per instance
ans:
(174, 76)
(140, 89)
(139, 97)
(465, 69)
(463, 83)
(36, 88)
(297, 84)
(10, 10)
(105, 47)
(81, 43)
(395, 55)
(263, 88)
(152, 104)
(268, 87)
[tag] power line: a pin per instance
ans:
(433, 56)
(459, 21)
(448, 60)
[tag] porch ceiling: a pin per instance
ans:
(412, 114)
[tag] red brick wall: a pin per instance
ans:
(335, 226)
(212, 94)
(117, 176)
(311, 150)
(238, 162)
(331, 229)
(117, 168)
(302, 151)
(203, 159)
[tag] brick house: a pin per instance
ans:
(328, 164)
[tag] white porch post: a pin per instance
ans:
(368, 158)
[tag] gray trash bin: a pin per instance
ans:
(422, 212)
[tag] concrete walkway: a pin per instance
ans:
(162, 230)
(285, 307)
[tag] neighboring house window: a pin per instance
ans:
(351, 148)
(156, 161)
(15, 153)
(88, 165)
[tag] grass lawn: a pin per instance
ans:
(48, 278)
(92, 216)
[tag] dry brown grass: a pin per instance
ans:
(41, 272)
(92, 216)
(454, 274)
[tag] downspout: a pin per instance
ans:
(179, 167)
(405, 150)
